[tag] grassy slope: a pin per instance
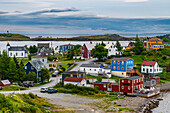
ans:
(13, 37)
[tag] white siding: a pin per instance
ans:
(82, 83)
(91, 70)
(17, 54)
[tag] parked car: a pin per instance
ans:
(51, 90)
(44, 90)
(1, 88)
(24, 85)
(55, 74)
(30, 83)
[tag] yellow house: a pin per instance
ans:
(154, 44)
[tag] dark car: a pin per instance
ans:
(55, 74)
(1, 88)
(51, 90)
(24, 85)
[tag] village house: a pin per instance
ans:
(65, 48)
(34, 66)
(44, 49)
(150, 68)
(92, 69)
(103, 86)
(154, 43)
(5, 83)
(17, 51)
(112, 49)
(44, 60)
(75, 74)
(75, 81)
(86, 50)
(120, 66)
(149, 82)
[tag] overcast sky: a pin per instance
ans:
(85, 16)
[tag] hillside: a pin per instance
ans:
(13, 37)
(163, 36)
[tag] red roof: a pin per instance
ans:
(73, 79)
(148, 63)
(68, 45)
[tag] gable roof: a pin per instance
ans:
(73, 79)
(38, 65)
(91, 65)
(154, 39)
(124, 43)
(108, 46)
(121, 59)
(148, 63)
(5, 82)
(133, 77)
(17, 48)
(90, 46)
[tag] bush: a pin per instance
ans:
(164, 57)
(102, 92)
(91, 93)
(32, 95)
(113, 93)
(60, 84)
(144, 53)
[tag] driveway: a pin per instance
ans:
(88, 61)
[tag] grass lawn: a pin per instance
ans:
(68, 61)
(13, 88)
(91, 77)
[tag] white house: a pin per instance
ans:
(150, 67)
(48, 64)
(92, 69)
(112, 49)
(17, 51)
(75, 81)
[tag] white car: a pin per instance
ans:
(43, 90)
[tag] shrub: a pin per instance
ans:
(91, 93)
(164, 57)
(32, 95)
(113, 93)
(60, 84)
(102, 92)
(144, 53)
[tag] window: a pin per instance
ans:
(22, 54)
(50, 65)
(42, 60)
(11, 54)
(134, 81)
(94, 69)
(104, 85)
(128, 81)
(122, 73)
(54, 65)
(122, 87)
(90, 69)
(16, 54)
(118, 68)
(114, 62)
(109, 49)
(150, 65)
(122, 68)
(128, 87)
(118, 62)
(122, 62)
(122, 80)
(25, 67)
(32, 67)
(143, 64)
(114, 67)
(150, 70)
(143, 69)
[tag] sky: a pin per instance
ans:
(85, 16)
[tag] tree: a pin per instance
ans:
(165, 39)
(99, 52)
(138, 46)
(74, 52)
(12, 72)
(4, 65)
(118, 46)
(33, 49)
(45, 75)
(99, 78)
(103, 44)
(32, 76)
(21, 76)
(16, 62)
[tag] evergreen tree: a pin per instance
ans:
(99, 78)
(21, 75)
(4, 65)
(103, 44)
(16, 62)
(44, 75)
(118, 46)
(32, 76)
(12, 72)
(138, 46)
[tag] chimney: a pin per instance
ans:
(90, 42)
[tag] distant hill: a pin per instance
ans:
(13, 37)
(167, 36)
(108, 37)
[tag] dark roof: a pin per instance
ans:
(115, 83)
(73, 72)
(91, 65)
(38, 65)
(134, 77)
(106, 67)
(68, 45)
(148, 63)
(121, 59)
(17, 48)
(73, 79)
(102, 82)
(46, 45)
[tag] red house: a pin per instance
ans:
(130, 84)
(103, 86)
(156, 78)
(5, 83)
(115, 87)
(86, 50)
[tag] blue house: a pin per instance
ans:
(65, 48)
(34, 66)
(119, 66)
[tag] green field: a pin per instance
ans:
(13, 88)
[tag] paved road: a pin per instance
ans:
(80, 63)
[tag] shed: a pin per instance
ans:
(5, 83)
